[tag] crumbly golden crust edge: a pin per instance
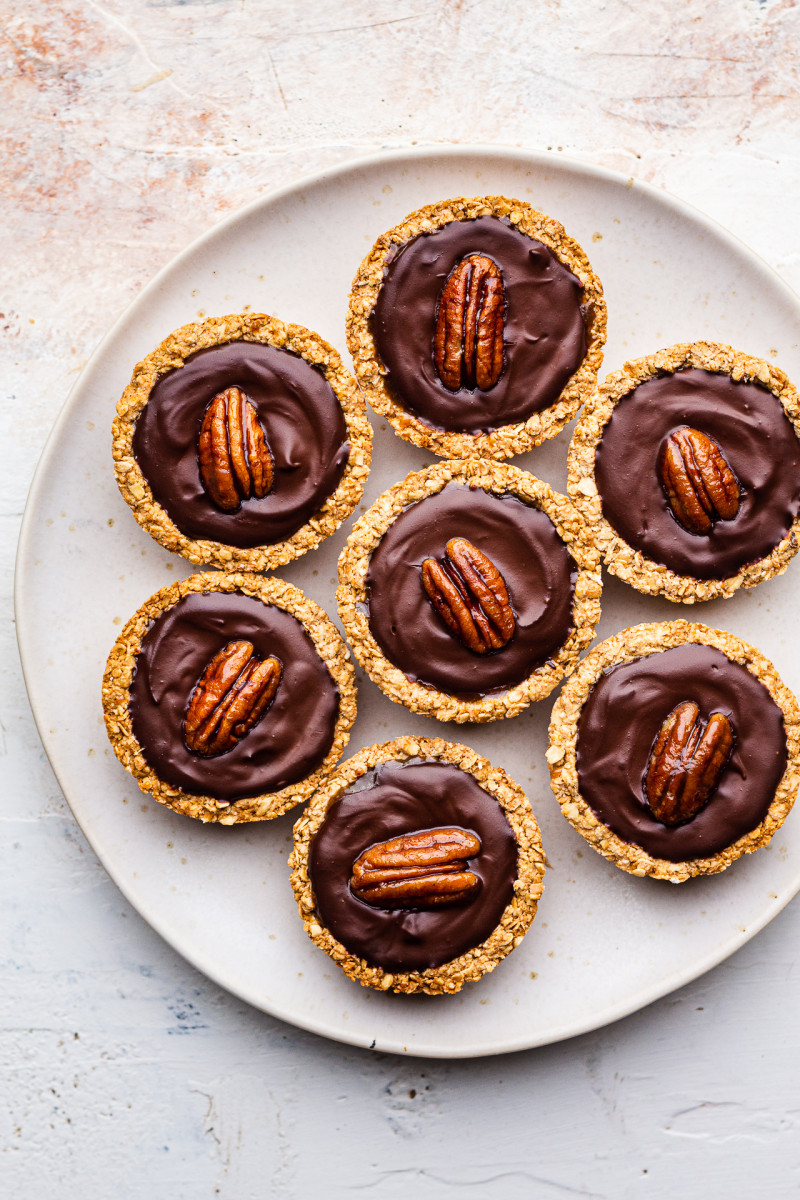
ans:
(118, 677)
(621, 558)
(506, 440)
(171, 355)
(627, 646)
(495, 477)
(518, 914)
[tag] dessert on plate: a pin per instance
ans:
(476, 327)
(241, 442)
(468, 590)
(686, 464)
(674, 750)
(417, 866)
(229, 697)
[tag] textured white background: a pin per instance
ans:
(127, 128)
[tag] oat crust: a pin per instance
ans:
(621, 558)
(119, 675)
(506, 440)
(517, 916)
(627, 646)
(170, 355)
(495, 477)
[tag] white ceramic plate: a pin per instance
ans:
(604, 943)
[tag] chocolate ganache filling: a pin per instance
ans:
(544, 331)
(304, 426)
(758, 442)
(291, 739)
(388, 802)
(619, 724)
(522, 543)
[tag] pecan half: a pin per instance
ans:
(470, 596)
(686, 763)
(700, 486)
(425, 869)
(231, 696)
(468, 341)
(235, 462)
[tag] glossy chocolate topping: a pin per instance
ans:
(619, 724)
(521, 541)
(287, 744)
(545, 337)
(757, 439)
(385, 803)
(305, 431)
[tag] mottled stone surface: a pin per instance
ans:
(128, 128)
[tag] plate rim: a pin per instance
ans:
(535, 158)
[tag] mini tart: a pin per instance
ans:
(750, 410)
(158, 660)
(620, 695)
(536, 394)
(447, 785)
(537, 541)
(302, 395)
